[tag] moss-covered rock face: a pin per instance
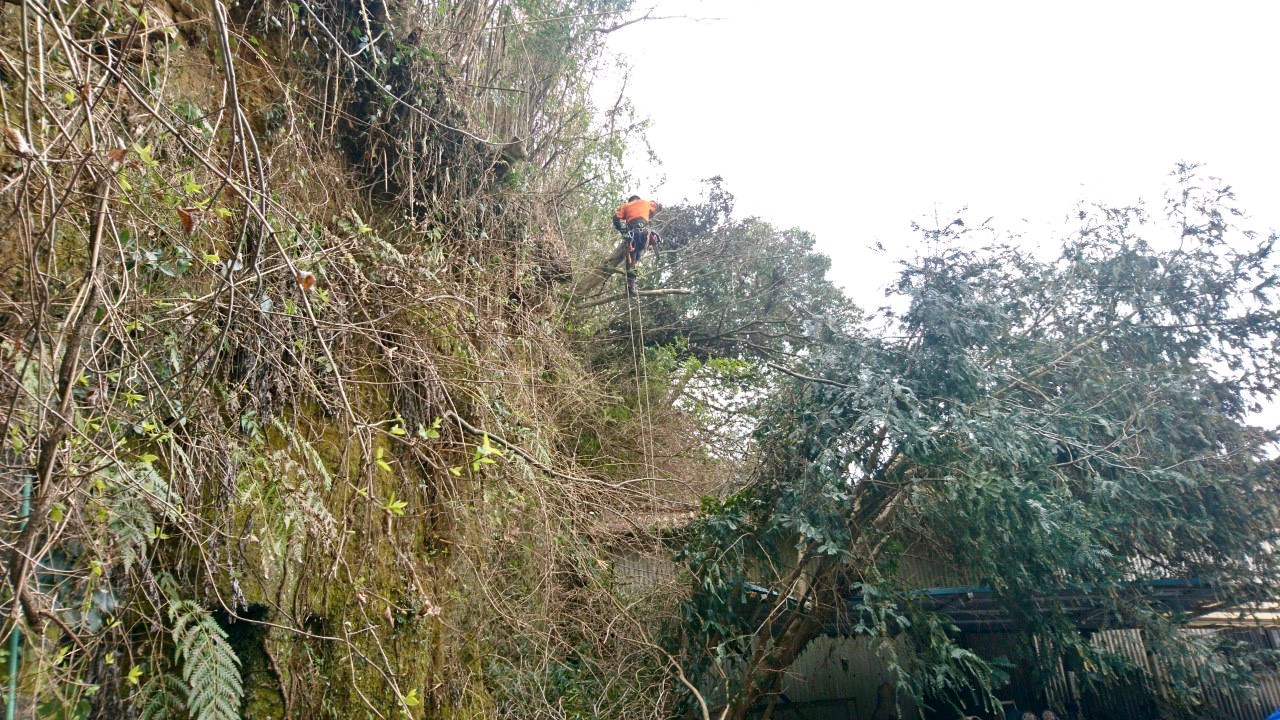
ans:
(285, 363)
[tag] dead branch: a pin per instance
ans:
(641, 293)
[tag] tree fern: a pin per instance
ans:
(209, 665)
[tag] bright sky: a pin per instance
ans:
(851, 119)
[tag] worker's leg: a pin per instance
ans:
(639, 239)
(633, 257)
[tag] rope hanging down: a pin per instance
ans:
(644, 404)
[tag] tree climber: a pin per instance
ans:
(632, 220)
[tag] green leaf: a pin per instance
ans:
(135, 674)
(394, 506)
(144, 154)
(378, 455)
(430, 433)
(209, 665)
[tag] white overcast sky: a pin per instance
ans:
(851, 119)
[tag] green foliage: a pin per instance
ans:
(210, 668)
(202, 347)
(759, 296)
(579, 685)
(135, 500)
(1039, 424)
(303, 447)
(484, 455)
(759, 291)
(56, 709)
(163, 697)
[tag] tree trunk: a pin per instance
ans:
(826, 592)
(775, 654)
(596, 276)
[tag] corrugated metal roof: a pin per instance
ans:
(979, 609)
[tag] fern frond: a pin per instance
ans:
(209, 665)
(140, 498)
(306, 450)
(316, 517)
(164, 697)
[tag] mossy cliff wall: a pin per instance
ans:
(286, 366)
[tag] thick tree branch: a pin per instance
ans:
(641, 293)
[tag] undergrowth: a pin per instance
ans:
(285, 370)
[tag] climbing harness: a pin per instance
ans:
(639, 238)
(636, 238)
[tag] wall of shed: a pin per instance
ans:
(837, 678)
(1137, 701)
(841, 678)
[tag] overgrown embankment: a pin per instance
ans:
(286, 372)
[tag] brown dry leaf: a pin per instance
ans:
(18, 144)
(190, 217)
(306, 280)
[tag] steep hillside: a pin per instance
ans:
(291, 379)
(319, 402)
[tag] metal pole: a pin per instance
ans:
(15, 644)
(15, 635)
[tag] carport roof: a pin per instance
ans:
(976, 609)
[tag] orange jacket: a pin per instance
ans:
(643, 209)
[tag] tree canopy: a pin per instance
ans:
(758, 290)
(1040, 423)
